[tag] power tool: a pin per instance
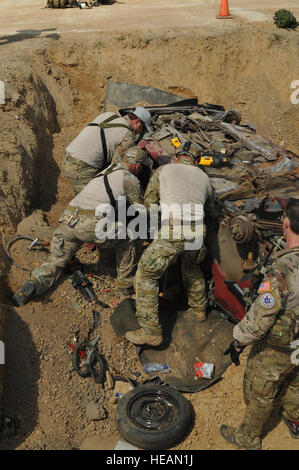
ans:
(214, 160)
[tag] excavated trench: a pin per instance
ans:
(55, 88)
(53, 91)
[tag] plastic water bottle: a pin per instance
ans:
(149, 367)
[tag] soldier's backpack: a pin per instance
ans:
(285, 19)
(61, 3)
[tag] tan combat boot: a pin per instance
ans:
(239, 438)
(228, 433)
(142, 336)
(199, 313)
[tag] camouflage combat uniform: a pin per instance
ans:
(2, 324)
(84, 157)
(272, 324)
(164, 251)
(79, 223)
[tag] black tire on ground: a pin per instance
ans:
(154, 416)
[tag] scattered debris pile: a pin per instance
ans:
(75, 3)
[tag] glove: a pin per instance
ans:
(235, 349)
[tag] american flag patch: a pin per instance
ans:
(265, 287)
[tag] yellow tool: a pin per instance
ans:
(176, 142)
(215, 161)
(206, 161)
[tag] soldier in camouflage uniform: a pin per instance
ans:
(102, 142)
(2, 324)
(271, 325)
(83, 221)
(174, 184)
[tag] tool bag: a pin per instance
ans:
(285, 19)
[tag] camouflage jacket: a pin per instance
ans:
(276, 308)
(129, 140)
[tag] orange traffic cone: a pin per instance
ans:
(224, 10)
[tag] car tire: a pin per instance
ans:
(154, 416)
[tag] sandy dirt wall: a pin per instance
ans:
(28, 121)
(251, 70)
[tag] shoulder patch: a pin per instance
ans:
(265, 287)
(267, 301)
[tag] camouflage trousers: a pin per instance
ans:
(152, 265)
(66, 242)
(77, 172)
(266, 372)
(3, 308)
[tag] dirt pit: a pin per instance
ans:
(54, 87)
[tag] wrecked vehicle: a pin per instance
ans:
(253, 180)
(247, 181)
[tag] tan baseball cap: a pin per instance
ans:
(144, 115)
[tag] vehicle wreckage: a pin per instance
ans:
(253, 180)
(252, 177)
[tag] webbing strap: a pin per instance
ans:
(104, 125)
(104, 146)
(109, 191)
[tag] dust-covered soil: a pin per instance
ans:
(30, 17)
(56, 67)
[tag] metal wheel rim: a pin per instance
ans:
(153, 410)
